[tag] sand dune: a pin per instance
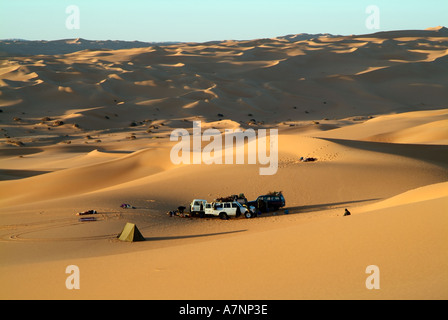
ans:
(89, 128)
(395, 238)
(418, 127)
(422, 194)
(86, 178)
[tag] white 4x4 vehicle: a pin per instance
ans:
(227, 209)
(198, 206)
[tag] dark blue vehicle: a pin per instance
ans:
(268, 202)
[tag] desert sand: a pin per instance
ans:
(91, 129)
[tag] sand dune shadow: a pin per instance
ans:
(325, 206)
(191, 236)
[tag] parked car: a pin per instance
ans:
(197, 206)
(228, 209)
(268, 202)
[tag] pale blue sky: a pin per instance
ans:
(200, 20)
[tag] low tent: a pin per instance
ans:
(130, 233)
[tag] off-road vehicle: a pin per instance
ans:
(268, 202)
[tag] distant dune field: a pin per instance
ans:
(90, 129)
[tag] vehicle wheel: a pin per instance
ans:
(223, 216)
(248, 214)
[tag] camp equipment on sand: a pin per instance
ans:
(86, 212)
(87, 219)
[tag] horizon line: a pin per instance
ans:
(223, 40)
